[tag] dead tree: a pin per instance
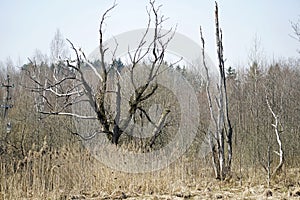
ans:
(74, 87)
(280, 153)
(6, 106)
(221, 129)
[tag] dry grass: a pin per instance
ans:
(74, 174)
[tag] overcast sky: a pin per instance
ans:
(30, 25)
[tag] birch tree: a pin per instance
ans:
(58, 47)
(280, 152)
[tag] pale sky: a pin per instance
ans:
(30, 25)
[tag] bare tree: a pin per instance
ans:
(74, 85)
(58, 47)
(221, 129)
(296, 30)
(280, 153)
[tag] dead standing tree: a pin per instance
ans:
(74, 87)
(221, 132)
(280, 153)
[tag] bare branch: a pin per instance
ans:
(296, 29)
(64, 94)
(159, 126)
(89, 137)
(91, 66)
(77, 56)
(69, 114)
(101, 47)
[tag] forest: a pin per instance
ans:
(71, 126)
